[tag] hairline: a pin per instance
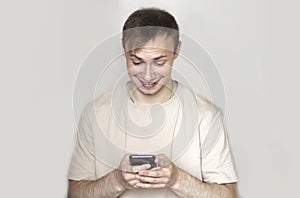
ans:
(143, 45)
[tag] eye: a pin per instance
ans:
(160, 63)
(136, 62)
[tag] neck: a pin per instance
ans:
(164, 94)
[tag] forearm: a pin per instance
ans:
(190, 186)
(107, 186)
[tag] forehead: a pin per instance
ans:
(159, 44)
(163, 42)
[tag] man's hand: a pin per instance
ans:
(165, 175)
(128, 174)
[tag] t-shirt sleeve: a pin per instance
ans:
(82, 165)
(217, 161)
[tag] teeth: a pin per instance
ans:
(148, 84)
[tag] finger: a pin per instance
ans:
(162, 163)
(136, 169)
(124, 164)
(162, 172)
(128, 176)
(133, 182)
(149, 185)
(162, 160)
(153, 180)
(156, 168)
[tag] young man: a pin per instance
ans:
(194, 159)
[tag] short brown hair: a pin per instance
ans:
(145, 24)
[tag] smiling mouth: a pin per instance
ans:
(149, 85)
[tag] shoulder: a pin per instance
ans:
(103, 102)
(204, 104)
(206, 108)
(100, 102)
(104, 99)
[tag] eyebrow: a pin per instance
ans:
(156, 58)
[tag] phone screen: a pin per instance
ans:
(136, 160)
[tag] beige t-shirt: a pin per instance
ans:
(187, 128)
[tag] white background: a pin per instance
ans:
(255, 44)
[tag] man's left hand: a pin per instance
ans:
(164, 175)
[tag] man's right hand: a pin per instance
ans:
(127, 173)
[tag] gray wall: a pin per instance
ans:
(255, 44)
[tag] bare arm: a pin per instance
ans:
(110, 185)
(189, 186)
(182, 183)
(113, 184)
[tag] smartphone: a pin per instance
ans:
(136, 160)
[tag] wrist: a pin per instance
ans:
(177, 179)
(119, 180)
(122, 185)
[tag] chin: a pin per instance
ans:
(148, 92)
(151, 91)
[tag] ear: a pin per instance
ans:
(123, 52)
(178, 49)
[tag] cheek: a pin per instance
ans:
(164, 71)
(132, 70)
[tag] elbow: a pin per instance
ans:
(71, 187)
(231, 190)
(76, 189)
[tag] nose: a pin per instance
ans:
(149, 74)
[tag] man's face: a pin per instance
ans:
(150, 66)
